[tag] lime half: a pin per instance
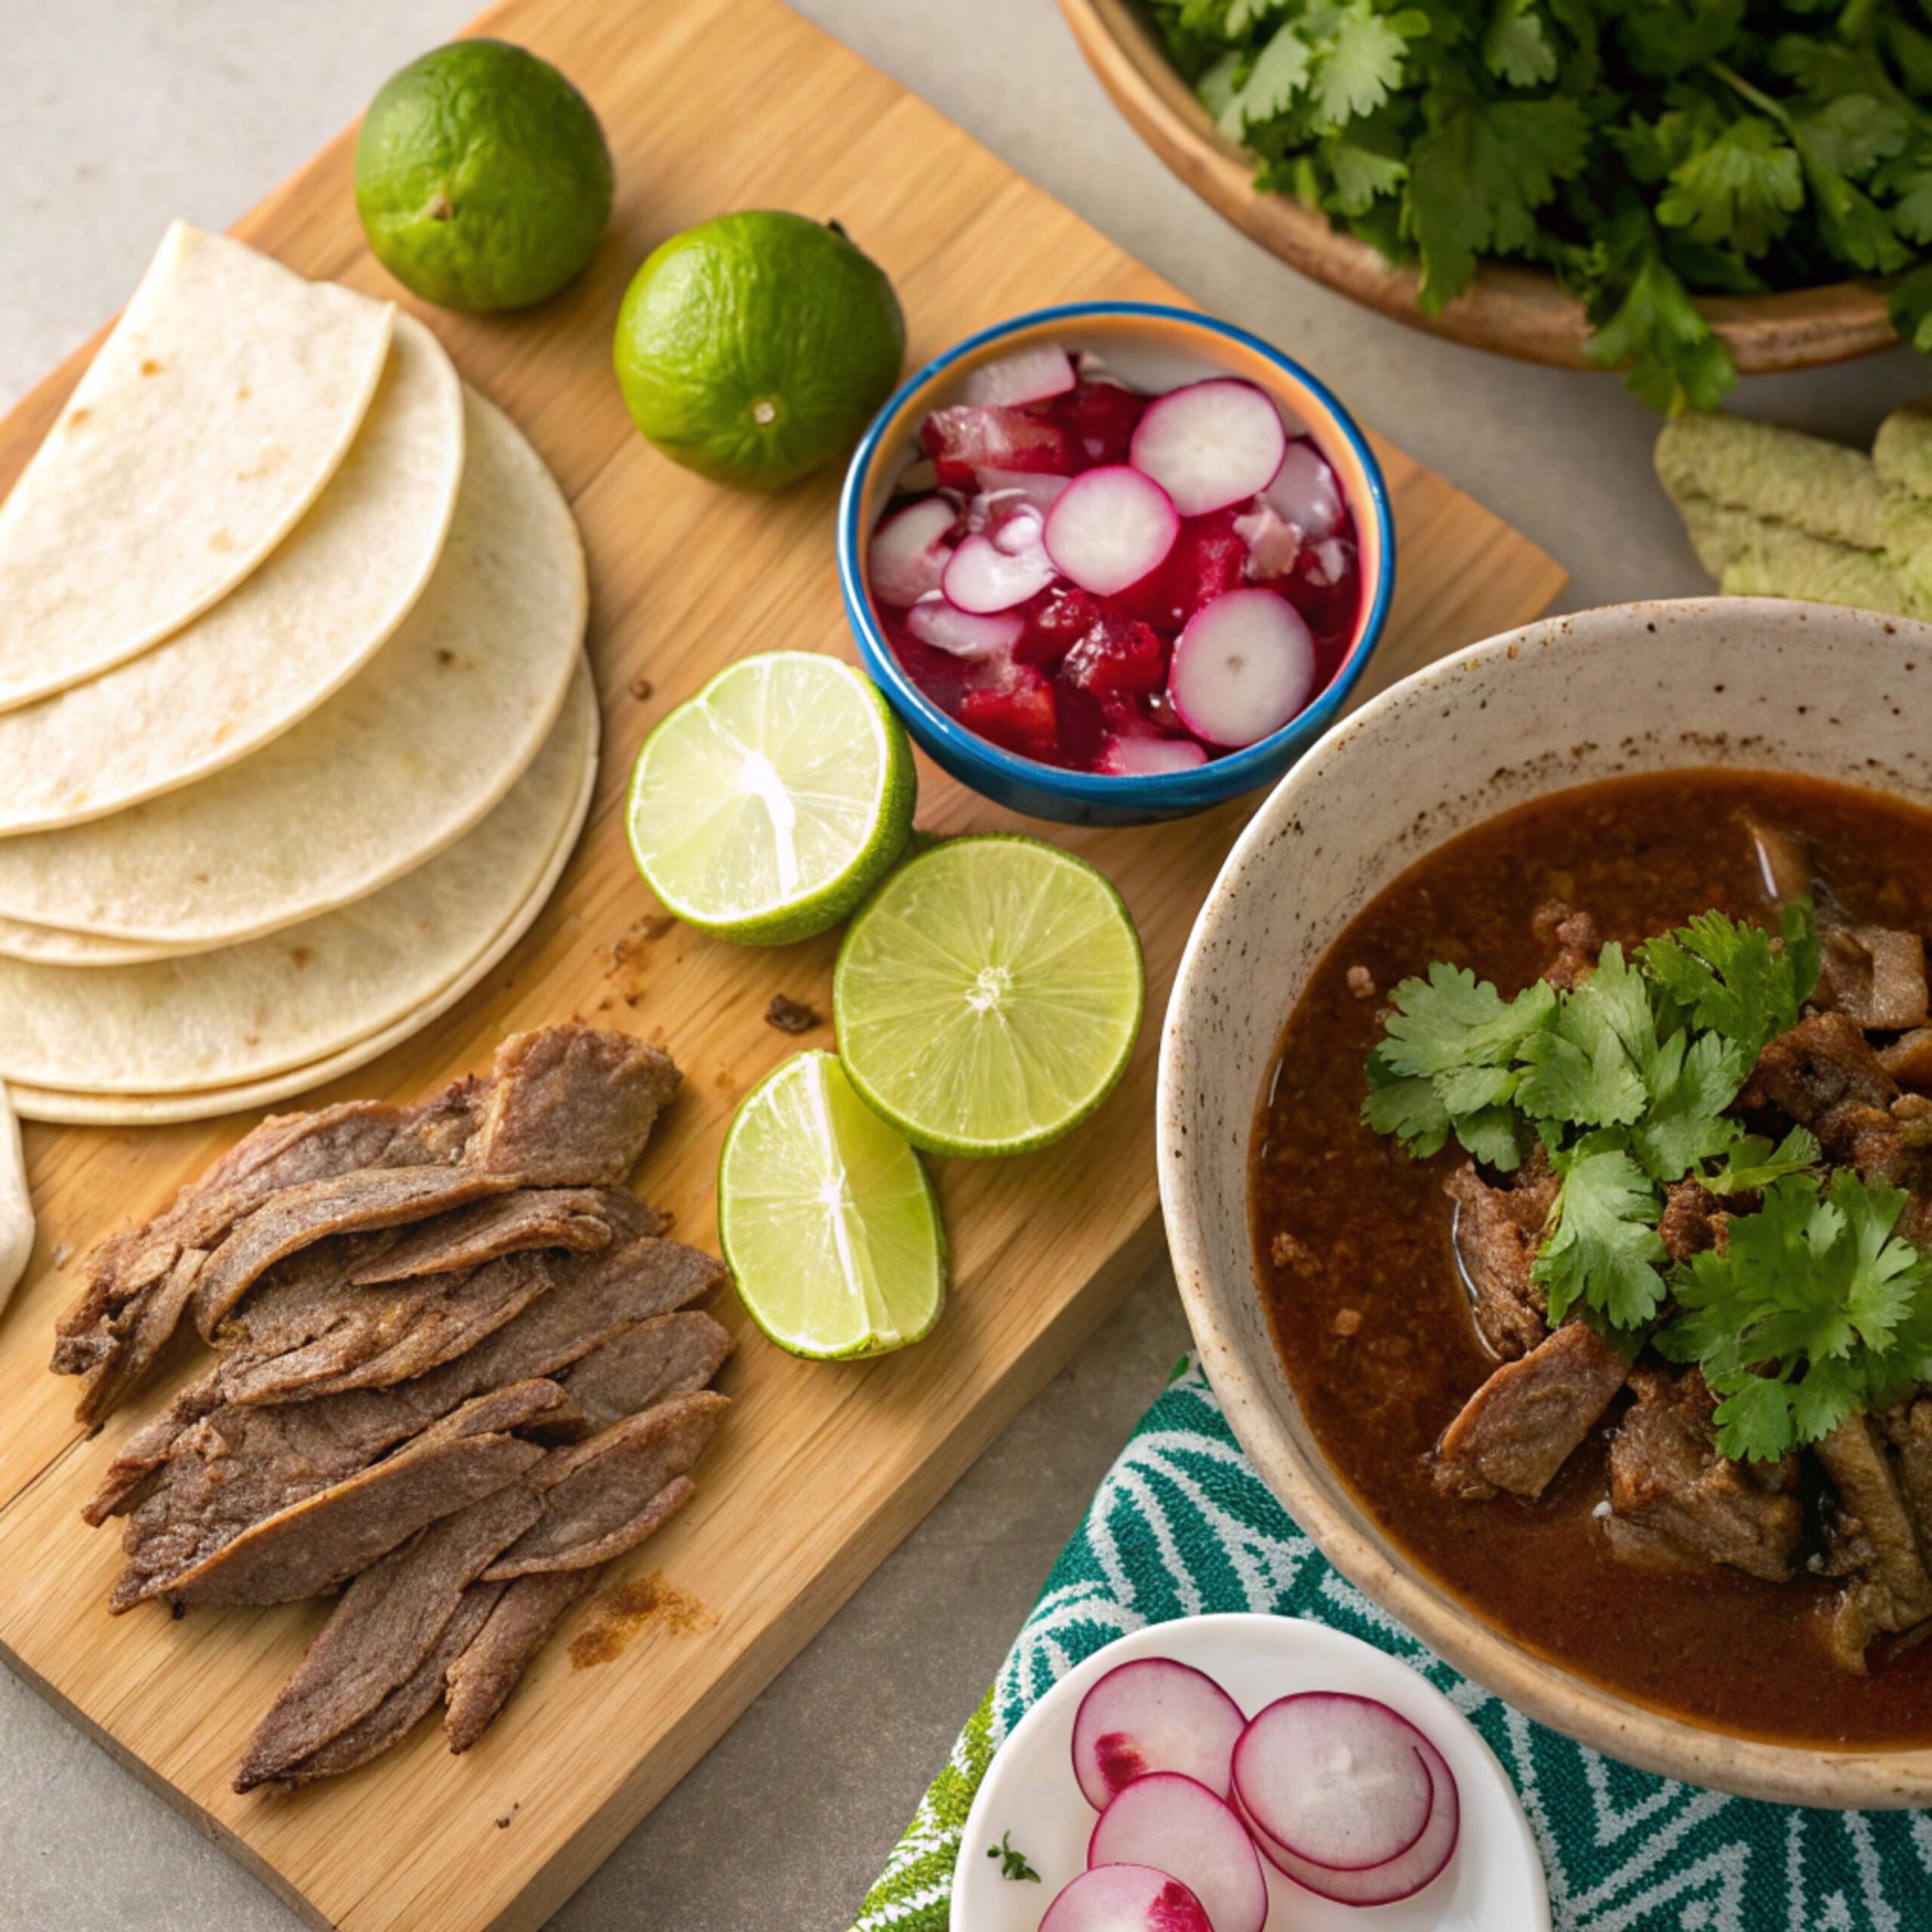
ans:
(828, 1220)
(987, 995)
(766, 809)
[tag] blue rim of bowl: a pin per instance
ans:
(1238, 771)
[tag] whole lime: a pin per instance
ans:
(754, 348)
(482, 177)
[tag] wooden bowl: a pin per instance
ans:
(1516, 312)
(1805, 687)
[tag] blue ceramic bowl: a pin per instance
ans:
(1155, 348)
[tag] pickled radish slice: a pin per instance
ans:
(1402, 1876)
(1109, 527)
(908, 555)
(1126, 1898)
(1180, 1827)
(1152, 1714)
(964, 633)
(1211, 444)
(1304, 492)
(1135, 757)
(1243, 667)
(1031, 375)
(1335, 1780)
(984, 576)
(1004, 486)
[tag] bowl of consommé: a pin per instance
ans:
(1545, 1149)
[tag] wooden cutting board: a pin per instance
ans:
(710, 105)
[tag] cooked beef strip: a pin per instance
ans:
(673, 1355)
(1498, 1233)
(406, 1707)
(321, 1541)
(217, 1469)
(1908, 1059)
(1516, 1430)
(389, 1621)
(567, 1106)
(578, 1218)
(1692, 1222)
(519, 1623)
(1869, 1539)
(605, 1496)
(1665, 1475)
(1909, 1425)
(1824, 1075)
(1872, 975)
(1644, 1548)
(1575, 939)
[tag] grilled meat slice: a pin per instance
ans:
(1666, 1476)
(1497, 1232)
(1869, 1539)
(519, 1623)
(581, 1219)
(672, 1354)
(389, 1621)
(1518, 1428)
(314, 1545)
(606, 1495)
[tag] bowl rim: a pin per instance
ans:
(1239, 771)
(1541, 1687)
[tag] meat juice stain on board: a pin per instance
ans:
(621, 1615)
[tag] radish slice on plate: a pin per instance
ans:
(964, 633)
(1030, 375)
(1211, 444)
(1154, 1715)
(908, 555)
(985, 577)
(1335, 1781)
(1243, 667)
(1404, 1876)
(1109, 527)
(1180, 1827)
(1304, 491)
(1139, 756)
(1126, 1898)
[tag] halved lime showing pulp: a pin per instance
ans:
(766, 808)
(987, 995)
(828, 1220)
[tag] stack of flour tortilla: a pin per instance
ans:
(297, 732)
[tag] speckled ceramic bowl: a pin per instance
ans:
(1837, 694)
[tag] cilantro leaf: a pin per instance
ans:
(1586, 1069)
(1362, 61)
(1739, 183)
(1646, 324)
(1731, 979)
(1518, 47)
(1277, 76)
(1814, 1309)
(1690, 1080)
(1604, 1250)
(1752, 1163)
(1911, 308)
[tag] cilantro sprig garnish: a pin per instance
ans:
(1815, 1309)
(1645, 153)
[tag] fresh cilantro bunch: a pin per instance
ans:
(1626, 1082)
(1644, 151)
(1816, 1310)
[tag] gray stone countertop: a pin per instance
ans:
(123, 113)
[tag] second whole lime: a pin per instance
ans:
(482, 177)
(756, 347)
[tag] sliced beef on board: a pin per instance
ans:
(1667, 1478)
(1870, 1540)
(322, 1541)
(1517, 1429)
(569, 1106)
(519, 1622)
(581, 1219)
(1497, 1232)
(210, 1470)
(388, 1623)
(673, 1355)
(605, 1495)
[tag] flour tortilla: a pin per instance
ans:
(212, 417)
(16, 1209)
(413, 752)
(240, 1014)
(266, 655)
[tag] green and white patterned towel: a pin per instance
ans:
(1183, 1525)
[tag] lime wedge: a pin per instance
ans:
(766, 808)
(987, 995)
(828, 1221)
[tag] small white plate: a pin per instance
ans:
(1494, 1883)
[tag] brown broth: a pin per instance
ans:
(1369, 1314)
